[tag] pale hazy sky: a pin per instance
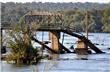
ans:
(99, 1)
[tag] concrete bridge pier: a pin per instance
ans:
(54, 37)
(82, 48)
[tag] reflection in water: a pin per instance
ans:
(69, 62)
(49, 64)
(82, 57)
(55, 56)
(35, 68)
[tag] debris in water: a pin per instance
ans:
(102, 44)
(81, 59)
(84, 59)
(72, 47)
(69, 43)
(96, 43)
(109, 48)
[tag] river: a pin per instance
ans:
(70, 62)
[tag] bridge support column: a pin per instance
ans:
(54, 37)
(81, 48)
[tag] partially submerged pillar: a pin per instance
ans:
(54, 37)
(81, 48)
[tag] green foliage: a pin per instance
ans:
(22, 51)
(106, 20)
(73, 14)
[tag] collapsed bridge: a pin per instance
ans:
(53, 23)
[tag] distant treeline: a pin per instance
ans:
(74, 14)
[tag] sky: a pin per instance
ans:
(23, 1)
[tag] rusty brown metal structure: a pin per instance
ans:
(52, 22)
(47, 21)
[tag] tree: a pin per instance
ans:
(106, 20)
(22, 51)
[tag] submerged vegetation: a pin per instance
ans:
(22, 51)
(73, 17)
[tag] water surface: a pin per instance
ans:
(70, 62)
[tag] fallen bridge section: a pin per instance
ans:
(44, 45)
(65, 49)
(84, 39)
(53, 51)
